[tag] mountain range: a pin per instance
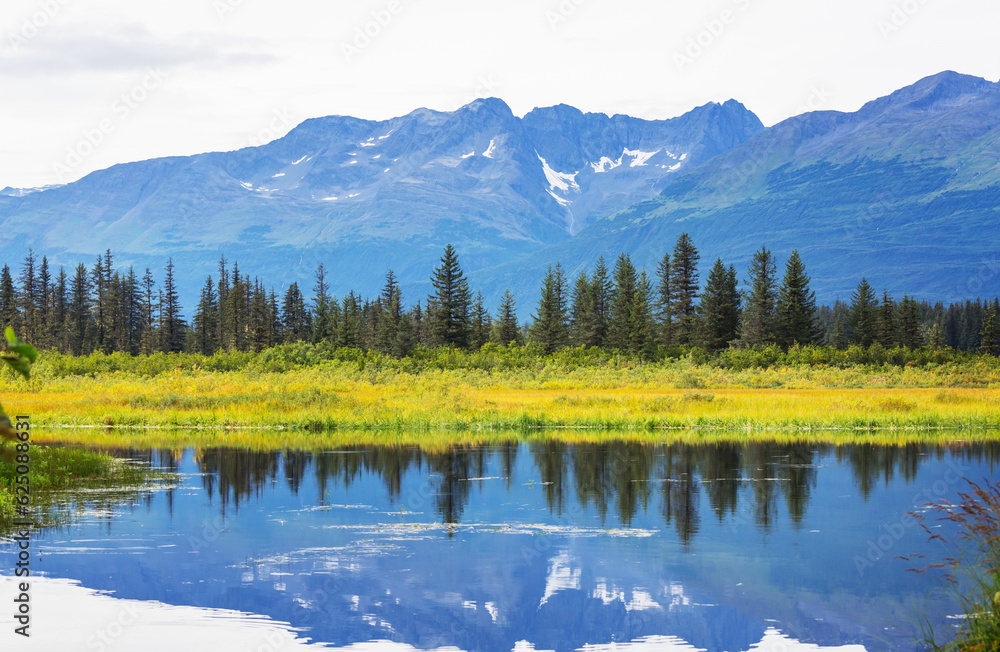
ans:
(903, 191)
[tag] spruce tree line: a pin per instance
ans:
(99, 308)
(869, 319)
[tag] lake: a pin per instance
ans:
(526, 545)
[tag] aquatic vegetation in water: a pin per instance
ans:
(972, 573)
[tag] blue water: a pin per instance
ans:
(557, 545)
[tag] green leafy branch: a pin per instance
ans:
(20, 356)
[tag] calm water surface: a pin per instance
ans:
(545, 546)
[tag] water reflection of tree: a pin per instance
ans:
(721, 477)
(870, 463)
(550, 460)
(681, 489)
(455, 468)
(593, 476)
(237, 474)
(744, 482)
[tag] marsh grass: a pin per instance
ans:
(306, 387)
(324, 399)
(57, 472)
(256, 439)
(972, 573)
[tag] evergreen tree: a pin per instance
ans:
(971, 325)
(350, 332)
(261, 322)
(664, 301)
(622, 303)
(60, 312)
(582, 315)
(205, 328)
(909, 323)
(507, 329)
(99, 283)
(990, 335)
(28, 297)
(222, 319)
(887, 328)
(720, 307)
(550, 329)
(117, 313)
(864, 315)
(237, 306)
(451, 300)
(274, 326)
(935, 336)
(757, 325)
(148, 309)
(641, 332)
(44, 307)
(295, 322)
(481, 323)
(391, 318)
(419, 324)
(406, 337)
(371, 316)
(172, 335)
(684, 290)
(322, 322)
(795, 311)
(601, 293)
(8, 301)
(79, 312)
(132, 312)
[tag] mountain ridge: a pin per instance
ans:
(362, 196)
(904, 191)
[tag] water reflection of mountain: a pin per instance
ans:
(558, 544)
(618, 479)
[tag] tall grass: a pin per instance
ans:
(326, 398)
(315, 388)
(260, 440)
(56, 472)
(972, 573)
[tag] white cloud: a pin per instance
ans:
(231, 70)
(96, 49)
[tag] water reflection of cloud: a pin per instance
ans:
(74, 615)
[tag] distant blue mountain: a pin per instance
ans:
(905, 191)
(362, 196)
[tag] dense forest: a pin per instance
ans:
(101, 308)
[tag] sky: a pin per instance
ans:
(86, 84)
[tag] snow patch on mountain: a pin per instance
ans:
(639, 157)
(562, 202)
(558, 180)
(606, 162)
(21, 192)
(491, 150)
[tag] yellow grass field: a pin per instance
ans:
(644, 399)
